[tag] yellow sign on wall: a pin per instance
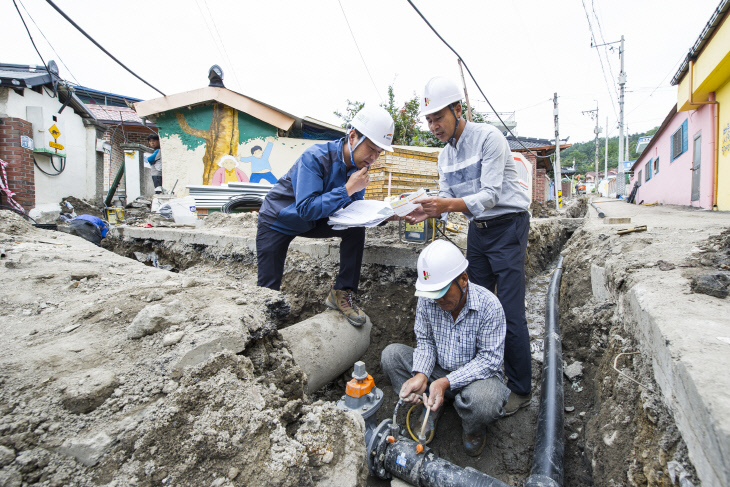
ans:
(55, 146)
(54, 131)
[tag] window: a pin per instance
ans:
(656, 166)
(679, 141)
(638, 180)
(647, 170)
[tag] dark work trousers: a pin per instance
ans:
(157, 181)
(271, 248)
(496, 256)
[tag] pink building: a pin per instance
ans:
(677, 167)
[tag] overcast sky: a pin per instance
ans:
(301, 57)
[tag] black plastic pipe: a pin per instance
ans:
(601, 214)
(427, 470)
(547, 464)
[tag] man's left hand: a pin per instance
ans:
(433, 207)
(437, 393)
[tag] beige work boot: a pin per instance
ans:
(343, 301)
(515, 402)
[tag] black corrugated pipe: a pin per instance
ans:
(547, 465)
(600, 213)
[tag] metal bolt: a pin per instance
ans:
(381, 457)
(344, 397)
(360, 372)
(365, 407)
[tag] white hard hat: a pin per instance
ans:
(440, 92)
(376, 124)
(438, 265)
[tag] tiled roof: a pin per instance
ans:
(114, 115)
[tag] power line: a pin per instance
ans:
(657, 86)
(603, 41)
(475, 82)
(32, 41)
(593, 40)
(358, 50)
(96, 44)
(223, 45)
(49, 42)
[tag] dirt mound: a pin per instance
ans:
(13, 224)
(81, 207)
(224, 220)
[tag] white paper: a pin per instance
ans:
(361, 213)
(406, 205)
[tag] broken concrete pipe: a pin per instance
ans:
(326, 345)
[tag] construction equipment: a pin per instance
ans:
(420, 233)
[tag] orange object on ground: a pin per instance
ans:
(358, 388)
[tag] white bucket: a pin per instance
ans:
(183, 210)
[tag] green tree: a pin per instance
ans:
(352, 108)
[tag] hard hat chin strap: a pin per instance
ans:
(452, 140)
(352, 149)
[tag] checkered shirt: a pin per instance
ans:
(472, 348)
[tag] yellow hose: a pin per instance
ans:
(410, 432)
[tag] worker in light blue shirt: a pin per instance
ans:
(478, 177)
(325, 178)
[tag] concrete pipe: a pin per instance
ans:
(326, 345)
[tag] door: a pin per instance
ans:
(696, 159)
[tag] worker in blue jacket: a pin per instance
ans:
(325, 178)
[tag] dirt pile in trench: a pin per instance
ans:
(114, 373)
(618, 430)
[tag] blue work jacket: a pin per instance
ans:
(314, 188)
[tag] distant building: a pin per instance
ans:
(537, 152)
(49, 139)
(201, 129)
(687, 162)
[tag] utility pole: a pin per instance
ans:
(605, 161)
(597, 130)
(466, 95)
(626, 146)
(558, 177)
(621, 179)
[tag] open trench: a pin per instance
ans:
(616, 432)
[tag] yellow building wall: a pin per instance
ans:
(711, 69)
(723, 173)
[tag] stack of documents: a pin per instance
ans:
(361, 213)
(369, 213)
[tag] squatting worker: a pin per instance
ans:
(460, 328)
(325, 178)
(155, 162)
(478, 176)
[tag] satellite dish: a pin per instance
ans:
(53, 67)
(215, 75)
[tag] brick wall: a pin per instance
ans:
(113, 161)
(20, 171)
(541, 186)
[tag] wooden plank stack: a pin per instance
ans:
(409, 170)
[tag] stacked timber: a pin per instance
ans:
(406, 169)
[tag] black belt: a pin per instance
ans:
(500, 220)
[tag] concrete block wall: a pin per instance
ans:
(20, 171)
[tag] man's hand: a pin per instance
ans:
(412, 389)
(435, 206)
(358, 181)
(416, 216)
(437, 393)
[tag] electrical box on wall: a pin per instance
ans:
(48, 137)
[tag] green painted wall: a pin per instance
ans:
(249, 128)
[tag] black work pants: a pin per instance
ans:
(272, 246)
(496, 257)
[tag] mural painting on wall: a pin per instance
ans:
(221, 139)
(260, 165)
(228, 172)
(229, 128)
